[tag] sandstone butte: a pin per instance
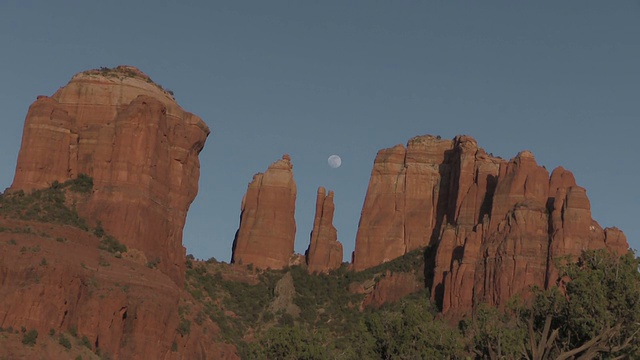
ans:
(141, 149)
(325, 251)
(139, 146)
(267, 230)
(493, 227)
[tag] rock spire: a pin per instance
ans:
(325, 251)
(267, 229)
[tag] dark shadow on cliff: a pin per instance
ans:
(447, 172)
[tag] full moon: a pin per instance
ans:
(334, 161)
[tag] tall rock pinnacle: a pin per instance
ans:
(267, 229)
(324, 252)
(139, 146)
(402, 209)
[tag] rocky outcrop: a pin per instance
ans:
(267, 229)
(325, 251)
(139, 146)
(124, 309)
(495, 227)
(392, 287)
(535, 221)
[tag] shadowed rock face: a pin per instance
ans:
(495, 227)
(325, 251)
(139, 146)
(267, 225)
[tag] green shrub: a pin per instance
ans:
(85, 341)
(46, 205)
(29, 338)
(153, 263)
(112, 245)
(62, 340)
(82, 184)
(185, 327)
(99, 230)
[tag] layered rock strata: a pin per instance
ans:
(495, 227)
(139, 146)
(406, 200)
(325, 251)
(267, 229)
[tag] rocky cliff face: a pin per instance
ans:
(496, 226)
(267, 225)
(325, 251)
(402, 209)
(139, 146)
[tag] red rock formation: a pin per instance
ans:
(325, 251)
(496, 226)
(138, 144)
(400, 211)
(267, 226)
(391, 288)
(126, 310)
(615, 240)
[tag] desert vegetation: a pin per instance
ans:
(47, 205)
(52, 205)
(594, 313)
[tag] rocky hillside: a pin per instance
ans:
(81, 291)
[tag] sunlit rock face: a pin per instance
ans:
(325, 251)
(494, 227)
(267, 229)
(139, 146)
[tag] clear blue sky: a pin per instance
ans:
(315, 78)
